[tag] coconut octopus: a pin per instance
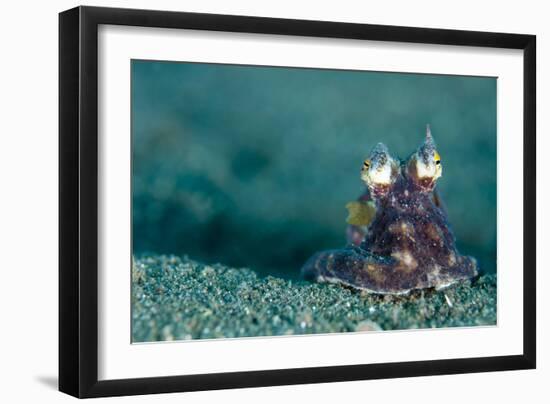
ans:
(399, 236)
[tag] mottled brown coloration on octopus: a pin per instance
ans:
(409, 245)
(377, 272)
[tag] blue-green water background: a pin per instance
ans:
(252, 166)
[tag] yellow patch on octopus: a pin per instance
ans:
(452, 259)
(404, 228)
(406, 261)
(360, 213)
(376, 272)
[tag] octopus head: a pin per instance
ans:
(424, 166)
(380, 170)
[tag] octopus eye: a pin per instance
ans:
(437, 158)
(366, 164)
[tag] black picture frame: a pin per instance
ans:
(78, 201)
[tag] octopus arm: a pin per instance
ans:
(351, 266)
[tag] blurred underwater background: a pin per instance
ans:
(252, 166)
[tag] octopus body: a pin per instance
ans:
(407, 242)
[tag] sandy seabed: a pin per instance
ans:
(176, 298)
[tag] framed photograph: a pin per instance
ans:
(251, 201)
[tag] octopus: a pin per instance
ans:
(398, 235)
